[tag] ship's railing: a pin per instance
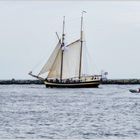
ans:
(76, 79)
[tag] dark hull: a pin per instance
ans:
(134, 91)
(90, 84)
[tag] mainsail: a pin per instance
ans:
(71, 60)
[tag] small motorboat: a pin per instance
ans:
(135, 90)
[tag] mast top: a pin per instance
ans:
(82, 20)
(83, 12)
(63, 32)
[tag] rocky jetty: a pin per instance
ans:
(108, 81)
(13, 81)
(121, 81)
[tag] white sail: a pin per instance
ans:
(71, 60)
(56, 67)
(48, 66)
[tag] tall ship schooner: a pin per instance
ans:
(59, 75)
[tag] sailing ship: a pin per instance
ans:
(59, 75)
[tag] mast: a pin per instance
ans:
(81, 39)
(62, 45)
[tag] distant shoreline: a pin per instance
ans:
(38, 82)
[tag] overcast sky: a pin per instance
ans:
(27, 35)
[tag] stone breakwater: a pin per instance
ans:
(109, 81)
(8, 82)
(121, 81)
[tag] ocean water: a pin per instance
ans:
(33, 111)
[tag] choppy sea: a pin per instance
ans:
(33, 111)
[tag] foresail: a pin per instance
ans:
(48, 66)
(71, 60)
(56, 67)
